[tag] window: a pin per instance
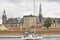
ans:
(54, 21)
(40, 20)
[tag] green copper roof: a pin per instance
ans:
(40, 10)
(19, 19)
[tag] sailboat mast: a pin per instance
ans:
(34, 6)
(34, 15)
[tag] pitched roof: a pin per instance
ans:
(14, 20)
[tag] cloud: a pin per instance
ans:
(50, 8)
(11, 1)
(17, 1)
(22, 7)
(54, 1)
(19, 8)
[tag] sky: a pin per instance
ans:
(19, 8)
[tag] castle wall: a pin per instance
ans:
(29, 21)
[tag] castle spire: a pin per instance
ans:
(4, 18)
(4, 14)
(40, 11)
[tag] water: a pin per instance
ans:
(52, 38)
(7, 38)
(17, 38)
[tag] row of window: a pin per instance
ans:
(14, 25)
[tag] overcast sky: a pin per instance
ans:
(19, 8)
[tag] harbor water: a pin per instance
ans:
(17, 38)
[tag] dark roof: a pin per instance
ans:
(14, 21)
(30, 16)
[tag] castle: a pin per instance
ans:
(28, 20)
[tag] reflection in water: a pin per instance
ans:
(16, 38)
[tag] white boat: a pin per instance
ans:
(31, 37)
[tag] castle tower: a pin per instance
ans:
(4, 18)
(40, 13)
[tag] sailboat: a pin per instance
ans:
(29, 35)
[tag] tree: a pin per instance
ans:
(47, 23)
